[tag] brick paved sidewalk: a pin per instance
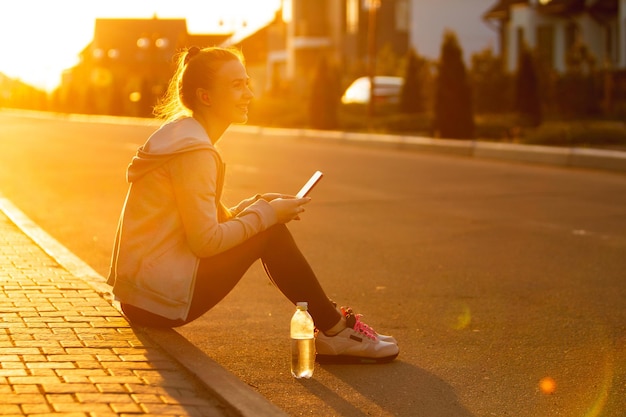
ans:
(66, 351)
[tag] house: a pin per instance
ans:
(304, 31)
(255, 44)
(562, 32)
(127, 65)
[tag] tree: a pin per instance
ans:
(527, 100)
(412, 96)
(324, 98)
(387, 61)
(454, 115)
(492, 86)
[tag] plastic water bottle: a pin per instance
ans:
(302, 342)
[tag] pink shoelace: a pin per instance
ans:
(358, 325)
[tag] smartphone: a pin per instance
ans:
(306, 189)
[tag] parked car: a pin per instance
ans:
(386, 90)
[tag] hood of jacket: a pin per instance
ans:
(171, 139)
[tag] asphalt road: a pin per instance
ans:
(493, 276)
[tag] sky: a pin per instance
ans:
(41, 38)
(464, 17)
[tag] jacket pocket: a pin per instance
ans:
(169, 275)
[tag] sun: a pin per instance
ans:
(42, 38)
(49, 41)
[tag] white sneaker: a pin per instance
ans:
(347, 312)
(357, 343)
(386, 338)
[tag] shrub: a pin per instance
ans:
(492, 86)
(527, 101)
(324, 98)
(580, 133)
(576, 95)
(498, 127)
(412, 95)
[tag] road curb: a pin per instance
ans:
(574, 157)
(227, 388)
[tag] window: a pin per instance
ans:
(402, 15)
(352, 16)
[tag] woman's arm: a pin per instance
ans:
(194, 177)
(244, 204)
(249, 201)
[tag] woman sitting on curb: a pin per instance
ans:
(179, 251)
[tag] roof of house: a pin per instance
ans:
(251, 31)
(126, 35)
(207, 40)
(255, 41)
(140, 39)
(501, 10)
(598, 8)
(562, 7)
(603, 9)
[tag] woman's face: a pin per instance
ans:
(231, 94)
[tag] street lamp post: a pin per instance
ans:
(373, 6)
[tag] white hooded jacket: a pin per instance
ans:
(170, 220)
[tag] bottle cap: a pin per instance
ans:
(302, 304)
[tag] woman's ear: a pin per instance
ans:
(203, 96)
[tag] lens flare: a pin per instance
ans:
(547, 385)
(603, 396)
(458, 316)
(464, 318)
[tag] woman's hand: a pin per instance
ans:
(273, 196)
(289, 208)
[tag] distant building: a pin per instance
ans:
(255, 44)
(127, 65)
(304, 31)
(560, 31)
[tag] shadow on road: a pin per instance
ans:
(388, 388)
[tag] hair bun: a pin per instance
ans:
(191, 52)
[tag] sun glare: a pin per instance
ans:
(41, 38)
(36, 47)
(547, 385)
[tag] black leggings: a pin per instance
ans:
(217, 276)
